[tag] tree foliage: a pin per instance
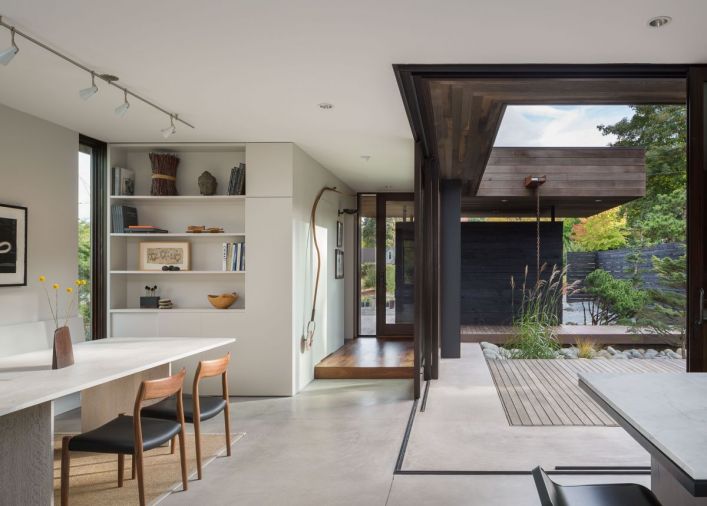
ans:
(600, 232)
(662, 131)
(84, 255)
(664, 312)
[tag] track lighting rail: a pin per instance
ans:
(173, 116)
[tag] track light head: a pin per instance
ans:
(170, 130)
(87, 93)
(122, 109)
(8, 54)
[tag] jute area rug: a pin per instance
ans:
(94, 476)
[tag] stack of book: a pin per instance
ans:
(122, 217)
(123, 182)
(236, 185)
(144, 229)
(234, 256)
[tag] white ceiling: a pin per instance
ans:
(255, 70)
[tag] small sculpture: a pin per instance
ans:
(207, 183)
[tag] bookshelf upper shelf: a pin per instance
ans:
(178, 198)
(182, 234)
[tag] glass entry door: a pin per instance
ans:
(395, 264)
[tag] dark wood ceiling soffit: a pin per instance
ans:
(467, 113)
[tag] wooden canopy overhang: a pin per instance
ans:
(580, 182)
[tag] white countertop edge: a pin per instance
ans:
(215, 342)
(586, 379)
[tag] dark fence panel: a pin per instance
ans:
(617, 263)
(492, 252)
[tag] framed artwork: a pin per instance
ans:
(155, 255)
(13, 245)
(339, 234)
(339, 264)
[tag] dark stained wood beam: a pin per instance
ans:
(580, 182)
(467, 113)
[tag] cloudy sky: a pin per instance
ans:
(558, 125)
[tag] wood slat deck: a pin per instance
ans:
(546, 393)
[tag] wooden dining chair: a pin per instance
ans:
(132, 435)
(198, 408)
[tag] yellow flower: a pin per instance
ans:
(42, 279)
(78, 282)
(55, 286)
(84, 282)
(69, 289)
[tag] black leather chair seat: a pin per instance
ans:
(167, 408)
(608, 494)
(118, 436)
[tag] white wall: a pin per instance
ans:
(39, 170)
(309, 178)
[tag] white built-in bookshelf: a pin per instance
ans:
(187, 290)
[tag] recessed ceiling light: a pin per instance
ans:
(504, 200)
(659, 21)
(326, 106)
(597, 200)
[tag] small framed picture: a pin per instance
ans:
(339, 264)
(155, 255)
(339, 234)
(13, 245)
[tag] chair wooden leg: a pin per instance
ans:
(227, 420)
(183, 458)
(171, 445)
(197, 444)
(65, 470)
(140, 478)
(132, 467)
(121, 469)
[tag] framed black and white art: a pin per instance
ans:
(339, 234)
(338, 264)
(13, 245)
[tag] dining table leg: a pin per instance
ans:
(102, 403)
(668, 490)
(27, 456)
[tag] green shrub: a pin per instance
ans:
(613, 300)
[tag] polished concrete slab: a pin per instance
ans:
(336, 443)
(464, 428)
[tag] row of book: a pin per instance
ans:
(233, 256)
(122, 217)
(123, 181)
(124, 221)
(236, 184)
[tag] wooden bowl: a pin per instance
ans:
(223, 301)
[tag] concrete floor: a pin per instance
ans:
(465, 428)
(336, 443)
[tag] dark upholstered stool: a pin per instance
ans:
(199, 408)
(132, 435)
(609, 494)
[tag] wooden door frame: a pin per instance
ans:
(383, 329)
(411, 77)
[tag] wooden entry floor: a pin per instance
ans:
(368, 358)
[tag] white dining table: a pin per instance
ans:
(667, 415)
(107, 372)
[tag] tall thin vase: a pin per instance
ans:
(63, 354)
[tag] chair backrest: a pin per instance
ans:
(210, 368)
(547, 489)
(160, 388)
